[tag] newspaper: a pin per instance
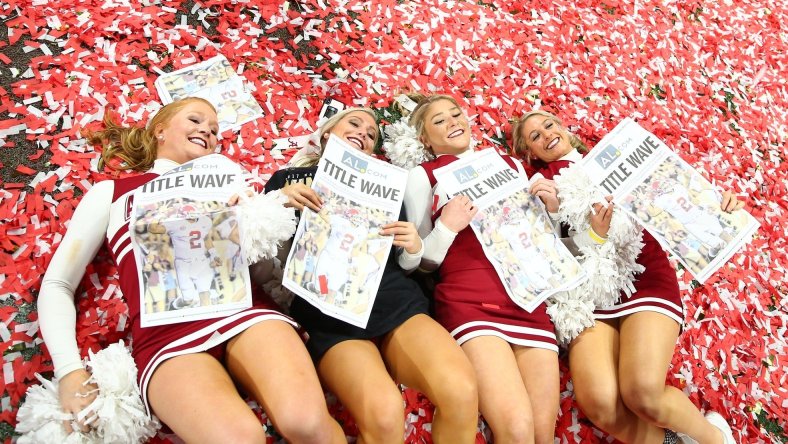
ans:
(215, 81)
(338, 256)
(668, 197)
(513, 227)
(187, 249)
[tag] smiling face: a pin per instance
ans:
(545, 138)
(446, 129)
(359, 129)
(190, 133)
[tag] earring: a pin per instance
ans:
(161, 137)
(326, 135)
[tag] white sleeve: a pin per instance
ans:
(408, 261)
(418, 207)
(57, 313)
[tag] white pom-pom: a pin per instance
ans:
(402, 146)
(571, 314)
(116, 415)
(121, 415)
(266, 223)
(40, 418)
(611, 267)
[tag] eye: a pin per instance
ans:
(371, 136)
(354, 123)
(456, 116)
(534, 137)
(549, 125)
(437, 122)
(194, 120)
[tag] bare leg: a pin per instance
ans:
(195, 397)
(539, 368)
(593, 361)
(648, 340)
(355, 372)
(286, 385)
(503, 398)
(438, 368)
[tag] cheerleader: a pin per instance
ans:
(514, 352)
(189, 372)
(619, 365)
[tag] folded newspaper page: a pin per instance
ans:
(513, 227)
(186, 242)
(338, 256)
(215, 81)
(669, 198)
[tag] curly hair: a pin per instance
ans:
(135, 147)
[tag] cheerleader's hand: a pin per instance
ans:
(546, 190)
(74, 396)
(405, 235)
(235, 198)
(458, 213)
(601, 216)
(730, 203)
(300, 196)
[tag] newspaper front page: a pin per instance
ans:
(338, 256)
(187, 243)
(677, 205)
(215, 81)
(513, 228)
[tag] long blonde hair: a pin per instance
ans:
(314, 158)
(519, 144)
(135, 147)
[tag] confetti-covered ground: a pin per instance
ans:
(708, 78)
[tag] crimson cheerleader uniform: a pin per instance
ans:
(470, 300)
(656, 289)
(103, 216)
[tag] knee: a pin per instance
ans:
(383, 417)
(599, 405)
(457, 397)
(644, 399)
(514, 426)
(245, 431)
(305, 424)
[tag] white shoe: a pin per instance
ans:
(684, 439)
(718, 421)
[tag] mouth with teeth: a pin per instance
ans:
(198, 141)
(456, 133)
(553, 143)
(357, 142)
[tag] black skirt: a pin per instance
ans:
(399, 298)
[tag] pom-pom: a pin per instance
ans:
(40, 418)
(266, 223)
(611, 267)
(571, 314)
(116, 415)
(402, 146)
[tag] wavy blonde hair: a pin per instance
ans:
(419, 115)
(135, 147)
(520, 147)
(313, 159)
